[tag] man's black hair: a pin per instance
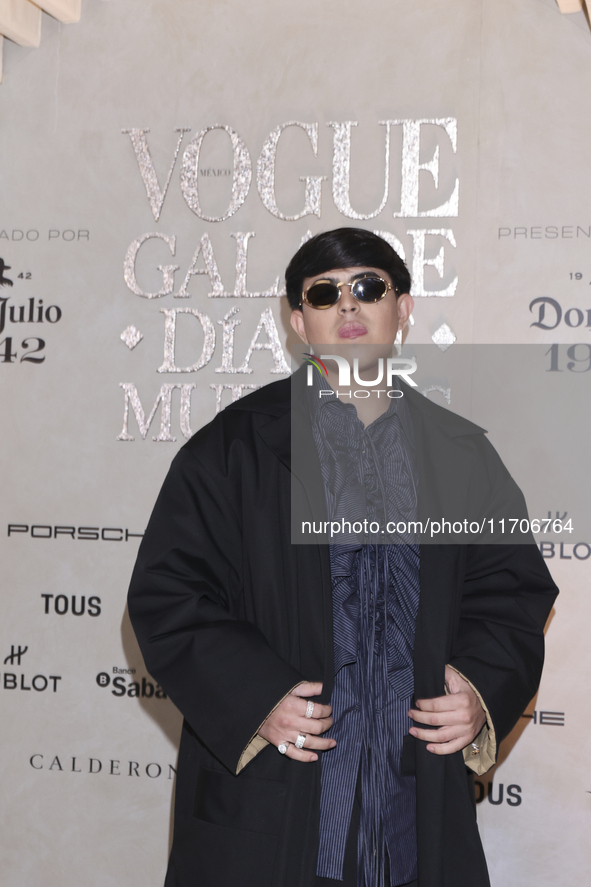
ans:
(343, 248)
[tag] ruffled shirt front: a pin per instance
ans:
(369, 483)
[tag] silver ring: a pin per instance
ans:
(299, 743)
(282, 748)
(309, 709)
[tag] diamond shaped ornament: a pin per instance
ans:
(444, 337)
(131, 337)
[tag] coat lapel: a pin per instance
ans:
(289, 438)
(285, 435)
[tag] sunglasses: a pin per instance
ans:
(324, 293)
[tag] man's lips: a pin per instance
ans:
(352, 330)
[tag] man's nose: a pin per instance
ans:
(347, 302)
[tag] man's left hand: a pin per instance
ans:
(458, 716)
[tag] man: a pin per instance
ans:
(259, 642)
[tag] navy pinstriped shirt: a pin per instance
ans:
(369, 473)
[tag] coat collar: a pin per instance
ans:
(444, 443)
(275, 400)
(284, 401)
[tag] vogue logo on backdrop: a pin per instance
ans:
(242, 170)
(429, 189)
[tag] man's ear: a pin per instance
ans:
(405, 304)
(297, 322)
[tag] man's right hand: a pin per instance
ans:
(289, 719)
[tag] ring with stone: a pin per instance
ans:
(299, 743)
(282, 748)
(475, 750)
(309, 709)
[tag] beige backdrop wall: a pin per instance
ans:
(160, 138)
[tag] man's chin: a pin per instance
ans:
(361, 356)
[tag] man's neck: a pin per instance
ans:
(369, 408)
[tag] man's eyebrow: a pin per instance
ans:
(353, 276)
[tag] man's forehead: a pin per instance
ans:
(336, 275)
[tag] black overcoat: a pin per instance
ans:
(230, 616)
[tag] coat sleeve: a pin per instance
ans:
(482, 759)
(187, 608)
(499, 648)
(506, 599)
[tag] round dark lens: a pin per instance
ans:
(322, 295)
(369, 289)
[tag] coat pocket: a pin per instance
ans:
(249, 804)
